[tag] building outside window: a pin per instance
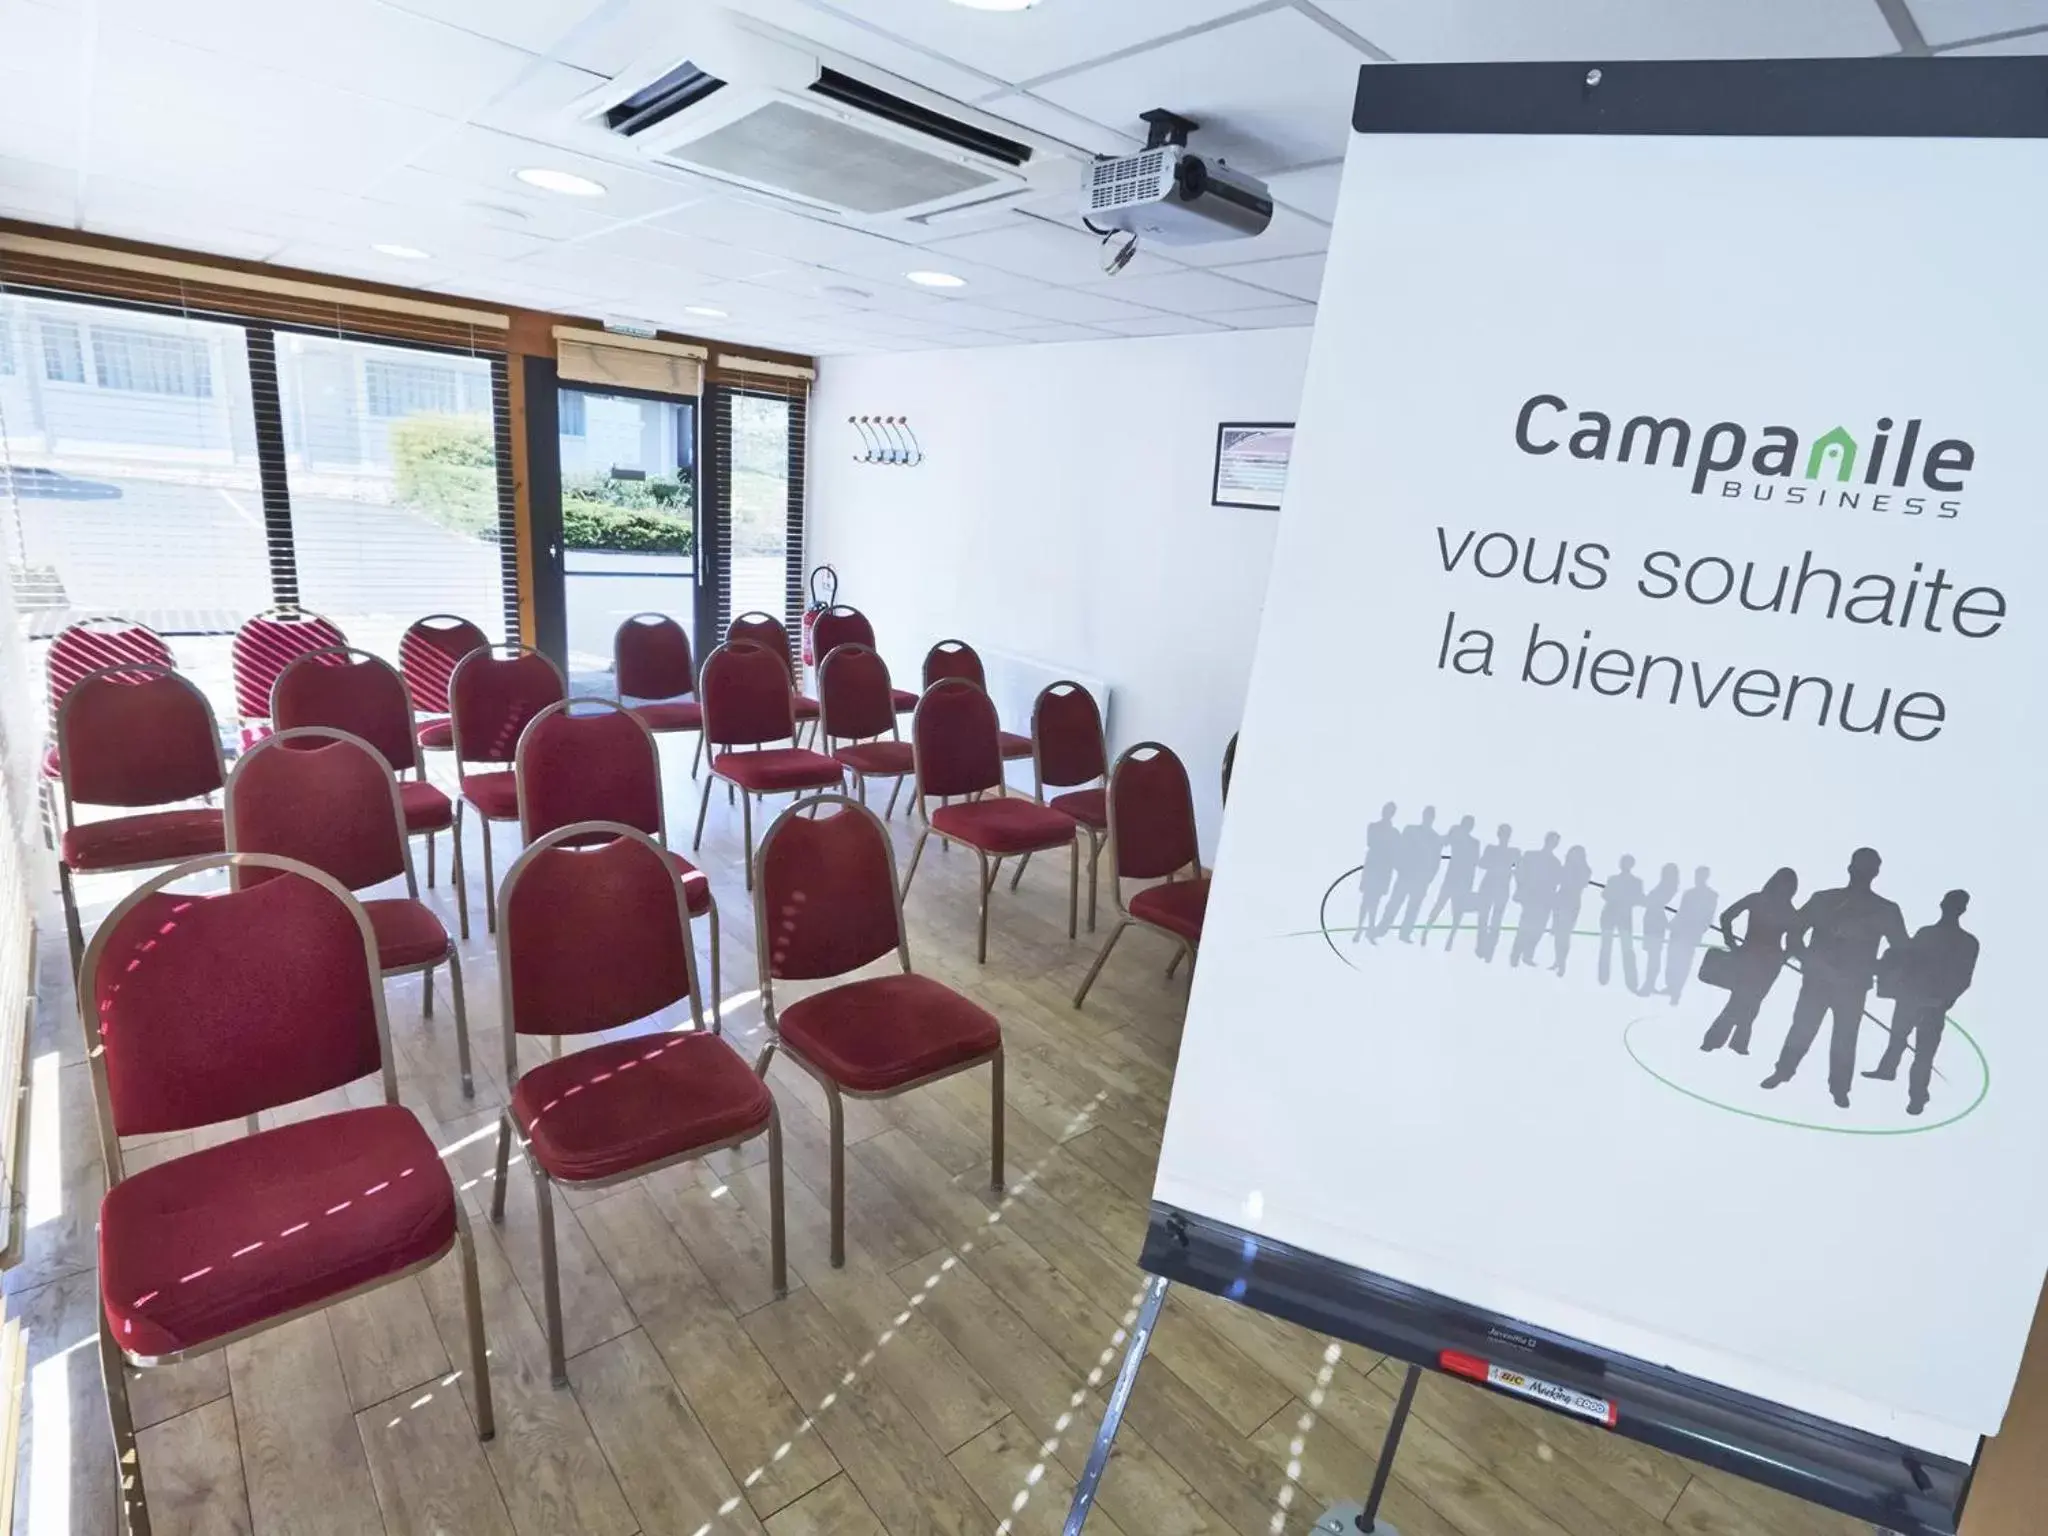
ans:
(151, 363)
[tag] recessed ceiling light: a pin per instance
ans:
(936, 280)
(705, 310)
(997, 5)
(402, 252)
(567, 183)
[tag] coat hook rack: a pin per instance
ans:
(887, 440)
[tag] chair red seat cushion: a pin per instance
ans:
(880, 758)
(1005, 824)
(495, 795)
(625, 1104)
(154, 837)
(874, 1035)
(408, 932)
(438, 735)
(1090, 807)
(217, 1241)
(1177, 906)
(677, 715)
(1012, 745)
(904, 699)
(778, 770)
(426, 808)
(696, 885)
(804, 707)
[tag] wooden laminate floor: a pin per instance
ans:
(948, 1380)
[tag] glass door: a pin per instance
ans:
(629, 521)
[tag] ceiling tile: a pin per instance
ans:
(1272, 90)
(42, 53)
(487, 203)
(1126, 133)
(1185, 293)
(1290, 234)
(1053, 253)
(1162, 325)
(30, 189)
(1073, 306)
(1059, 333)
(1616, 29)
(668, 248)
(1313, 191)
(1269, 319)
(535, 25)
(1955, 21)
(489, 160)
(2028, 42)
(1299, 277)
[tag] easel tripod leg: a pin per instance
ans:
(1119, 1400)
(1364, 1520)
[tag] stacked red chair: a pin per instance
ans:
(651, 662)
(428, 653)
(748, 713)
(493, 695)
(770, 633)
(1069, 753)
(88, 646)
(857, 719)
(843, 624)
(1152, 837)
(956, 658)
(262, 648)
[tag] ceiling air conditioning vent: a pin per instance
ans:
(769, 113)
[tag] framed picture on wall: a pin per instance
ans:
(1251, 463)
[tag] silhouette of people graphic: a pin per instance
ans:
(1656, 923)
(1571, 897)
(1496, 879)
(1536, 880)
(1694, 917)
(1618, 905)
(1933, 969)
(1836, 938)
(1754, 960)
(1461, 865)
(1421, 851)
(1382, 854)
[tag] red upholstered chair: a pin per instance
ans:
(747, 704)
(825, 904)
(327, 798)
(1152, 837)
(77, 649)
(859, 708)
(141, 739)
(770, 633)
(493, 695)
(843, 624)
(1069, 750)
(651, 661)
(596, 760)
(428, 653)
(350, 690)
(205, 1009)
(956, 658)
(262, 648)
(954, 737)
(593, 939)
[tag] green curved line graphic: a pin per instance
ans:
(1983, 1062)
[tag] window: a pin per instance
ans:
(63, 362)
(6, 348)
(151, 362)
(572, 417)
(394, 390)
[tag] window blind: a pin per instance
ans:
(755, 491)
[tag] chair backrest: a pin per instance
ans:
(590, 938)
(427, 656)
(597, 765)
(1151, 814)
(825, 894)
(1066, 735)
(841, 624)
(493, 695)
(137, 735)
(91, 645)
(759, 627)
(322, 797)
(349, 690)
(746, 697)
(208, 1008)
(266, 645)
(854, 694)
(651, 658)
(953, 738)
(954, 658)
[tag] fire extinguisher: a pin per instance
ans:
(818, 605)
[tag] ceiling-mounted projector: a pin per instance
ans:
(1167, 192)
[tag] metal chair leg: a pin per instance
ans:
(134, 1508)
(1074, 889)
(703, 809)
(1094, 882)
(747, 826)
(1017, 874)
(896, 790)
(1096, 969)
(550, 1280)
(717, 978)
(778, 1261)
(995, 1123)
(837, 1108)
(916, 853)
(473, 1311)
(461, 884)
(74, 931)
(697, 756)
(504, 1162)
(1174, 964)
(427, 993)
(461, 1022)
(988, 879)
(432, 838)
(490, 880)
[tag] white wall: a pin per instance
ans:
(1063, 514)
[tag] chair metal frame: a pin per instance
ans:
(711, 754)
(74, 932)
(357, 656)
(507, 651)
(114, 1360)
(990, 872)
(826, 735)
(834, 1093)
(1184, 949)
(543, 1181)
(1097, 837)
(423, 969)
(660, 833)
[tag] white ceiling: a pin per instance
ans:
(305, 131)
